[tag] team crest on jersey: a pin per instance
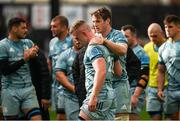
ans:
(124, 107)
(11, 50)
(26, 47)
(65, 46)
(71, 58)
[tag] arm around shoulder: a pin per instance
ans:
(117, 48)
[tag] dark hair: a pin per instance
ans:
(104, 13)
(16, 21)
(172, 19)
(62, 19)
(129, 27)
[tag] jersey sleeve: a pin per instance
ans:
(160, 58)
(94, 53)
(61, 64)
(118, 37)
(3, 51)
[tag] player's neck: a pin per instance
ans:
(177, 37)
(134, 44)
(13, 38)
(108, 30)
(63, 35)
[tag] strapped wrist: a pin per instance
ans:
(142, 82)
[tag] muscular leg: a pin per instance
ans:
(33, 114)
(60, 114)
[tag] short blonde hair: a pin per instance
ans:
(76, 25)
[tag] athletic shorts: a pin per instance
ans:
(16, 99)
(153, 104)
(172, 99)
(123, 97)
(105, 110)
(141, 102)
(60, 108)
(71, 108)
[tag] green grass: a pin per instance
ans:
(52, 115)
(144, 115)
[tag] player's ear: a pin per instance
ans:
(14, 29)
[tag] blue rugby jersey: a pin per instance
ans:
(118, 37)
(169, 55)
(64, 63)
(56, 47)
(14, 51)
(92, 53)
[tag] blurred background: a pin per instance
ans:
(139, 13)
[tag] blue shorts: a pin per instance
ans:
(16, 99)
(153, 104)
(57, 100)
(71, 108)
(123, 97)
(141, 102)
(60, 108)
(53, 98)
(105, 110)
(172, 99)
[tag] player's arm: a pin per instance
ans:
(116, 48)
(144, 74)
(141, 85)
(49, 62)
(99, 66)
(8, 68)
(61, 72)
(161, 80)
(143, 81)
(62, 78)
(117, 68)
(100, 74)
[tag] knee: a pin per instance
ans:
(80, 118)
(35, 112)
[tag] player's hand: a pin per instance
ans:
(97, 40)
(45, 103)
(30, 53)
(33, 51)
(26, 55)
(134, 101)
(92, 104)
(161, 95)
